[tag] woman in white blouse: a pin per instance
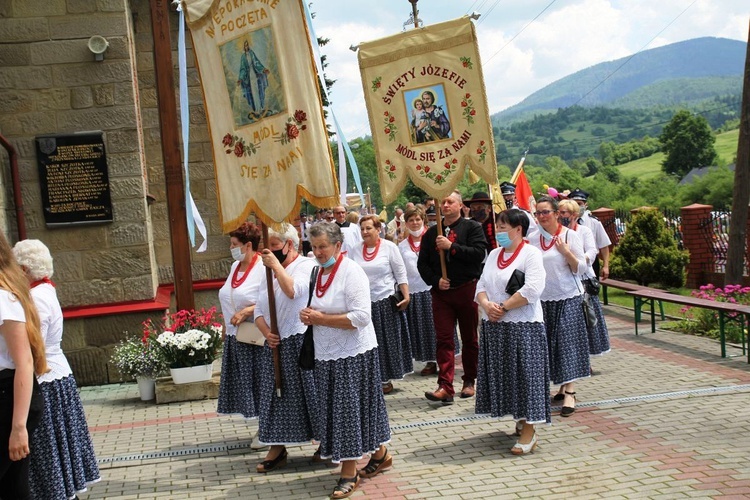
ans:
(239, 388)
(513, 375)
(562, 301)
(288, 419)
(21, 356)
(384, 266)
(599, 334)
(63, 462)
(352, 418)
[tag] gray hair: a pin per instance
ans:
(329, 229)
(35, 257)
(287, 233)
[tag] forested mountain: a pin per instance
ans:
(684, 73)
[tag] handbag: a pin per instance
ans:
(306, 359)
(592, 286)
(516, 281)
(397, 296)
(589, 313)
(247, 331)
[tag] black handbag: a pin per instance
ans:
(592, 286)
(589, 313)
(306, 359)
(516, 281)
(397, 296)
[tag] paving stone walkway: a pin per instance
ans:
(664, 417)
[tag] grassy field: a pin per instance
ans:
(621, 298)
(648, 168)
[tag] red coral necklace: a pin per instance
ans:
(546, 247)
(415, 248)
(503, 263)
(320, 287)
(368, 256)
(238, 281)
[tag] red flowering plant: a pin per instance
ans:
(189, 337)
(705, 321)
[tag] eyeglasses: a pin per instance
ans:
(544, 212)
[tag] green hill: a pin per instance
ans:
(680, 73)
(649, 168)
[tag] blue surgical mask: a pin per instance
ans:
(546, 235)
(503, 239)
(329, 262)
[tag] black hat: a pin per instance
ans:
(431, 210)
(507, 188)
(578, 194)
(479, 197)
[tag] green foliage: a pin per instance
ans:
(713, 188)
(648, 253)
(688, 143)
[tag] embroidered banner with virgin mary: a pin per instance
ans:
(263, 108)
(427, 105)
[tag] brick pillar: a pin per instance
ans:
(607, 217)
(695, 242)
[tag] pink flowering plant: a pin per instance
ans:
(700, 321)
(189, 337)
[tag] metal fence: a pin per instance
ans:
(672, 220)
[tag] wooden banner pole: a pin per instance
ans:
(274, 322)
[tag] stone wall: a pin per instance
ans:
(51, 84)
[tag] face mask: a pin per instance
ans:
(416, 233)
(329, 262)
(546, 235)
(509, 204)
(432, 223)
(565, 221)
(279, 254)
(478, 213)
(503, 239)
(237, 254)
(582, 210)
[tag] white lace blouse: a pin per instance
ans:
(287, 310)
(235, 299)
(561, 282)
(416, 283)
(10, 310)
(494, 280)
(349, 293)
(384, 271)
(51, 322)
(590, 250)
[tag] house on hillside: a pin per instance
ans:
(699, 172)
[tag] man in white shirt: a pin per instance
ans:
(351, 232)
(394, 230)
(600, 234)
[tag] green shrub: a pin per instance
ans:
(648, 253)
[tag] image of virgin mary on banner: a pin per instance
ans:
(263, 107)
(427, 106)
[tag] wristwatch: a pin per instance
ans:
(502, 306)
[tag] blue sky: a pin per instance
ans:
(568, 36)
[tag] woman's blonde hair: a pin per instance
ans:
(13, 279)
(569, 205)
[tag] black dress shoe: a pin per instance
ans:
(276, 463)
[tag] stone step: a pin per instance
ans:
(169, 392)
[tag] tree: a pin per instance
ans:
(688, 143)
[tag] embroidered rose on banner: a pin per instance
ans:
(235, 145)
(468, 106)
(466, 62)
(294, 126)
(389, 126)
(376, 83)
(482, 151)
(441, 176)
(390, 170)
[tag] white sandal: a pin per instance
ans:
(523, 449)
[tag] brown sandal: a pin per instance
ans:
(376, 466)
(345, 487)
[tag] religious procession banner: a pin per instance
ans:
(263, 108)
(427, 105)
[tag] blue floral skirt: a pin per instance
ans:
(62, 463)
(599, 335)
(394, 346)
(288, 419)
(352, 418)
(513, 372)
(239, 389)
(567, 339)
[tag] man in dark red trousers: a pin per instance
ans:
(465, 247)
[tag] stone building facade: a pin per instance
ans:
(50, 83)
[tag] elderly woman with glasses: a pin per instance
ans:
(352, 417)
(562, 301)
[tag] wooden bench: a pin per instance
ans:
(628, 287)
(727, 311)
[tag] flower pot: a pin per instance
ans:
(146, 388)
(191, 374)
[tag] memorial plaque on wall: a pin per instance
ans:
(73, 178)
